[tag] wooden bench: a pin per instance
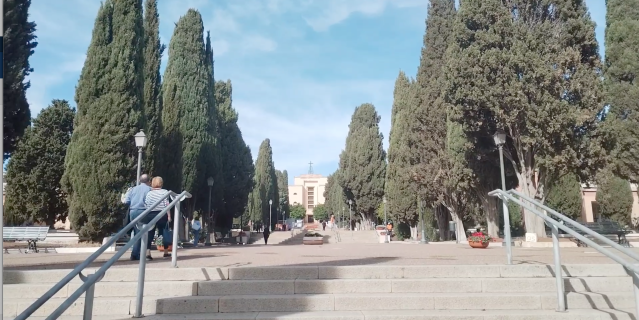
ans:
(29, 234)
(610, 229)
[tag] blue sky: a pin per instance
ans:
(298, 67)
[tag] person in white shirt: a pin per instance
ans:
(196, 226)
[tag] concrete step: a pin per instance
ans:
(112, 306)
(128, 274)
(473, 285)
(392, 301)
(422, 272)
(604, 314)
(104, 289)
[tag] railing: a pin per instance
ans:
(89, 280)
(555, 226)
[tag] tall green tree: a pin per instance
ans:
(153, 50)
(237, 161)
(334, 196)
(363, 163)
(548, 116)
(264, 184)
(564, 195)
(101, 157)
(621, 71)
(399, 188)
(19, 44)
(35, 169)
(614, 198)
(282, 187)
(186, 114)
(442, 178)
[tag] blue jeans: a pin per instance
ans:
(134, 213)
(196, 237)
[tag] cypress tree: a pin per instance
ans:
(186, 115)
(334, 195)
(275, 195)
(564, 196)
(153, 51)
(363, 164)
(438, 146)
(19, 44)
(549, 116)
(35, 169)
(101, 157)
(236, 158)
(614, 198)
(264, 185)
(399, 188)
(622, 90)
(282, 188)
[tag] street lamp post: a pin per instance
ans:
(210, 181)
(500, 141)
(140, 142)
(350, 215)
(270, 214)
(385, 222)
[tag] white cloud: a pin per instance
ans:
(258, 43)
(220, 47)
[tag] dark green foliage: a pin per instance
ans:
(264, 185)
(282, 187)
(19, 44)
(399, 188)
(320, 213)
(153, 50)
(564, 196)
(622, 88)
(101, 157)
(549, 116)
(298, 212)
(515, 214)
(432, 168)
(614, 198)
(335, 200)
(188, 123)
(237, 162)
(36, 167)
(363, 163)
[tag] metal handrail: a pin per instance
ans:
(631, 269)
(89, 281)
(577, 225)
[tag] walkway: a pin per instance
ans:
(338, 254)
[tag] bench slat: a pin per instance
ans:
(25, 233)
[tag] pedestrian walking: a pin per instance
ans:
(196, 226)
(267, 233)
(135, 200)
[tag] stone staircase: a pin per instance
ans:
(347, 236)
(430, 292)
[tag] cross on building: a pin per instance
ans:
(310, 167)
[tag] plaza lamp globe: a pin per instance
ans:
(499, 137)
(140, 139)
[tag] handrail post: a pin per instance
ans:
(635, 282)
(561, 295)
(176, 225)
(509, 240)
(139, 299)
(88, 303)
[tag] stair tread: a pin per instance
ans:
(386, 314)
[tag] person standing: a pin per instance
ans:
(156, 196)
(267, 233)
(196, 226)
(135, 200)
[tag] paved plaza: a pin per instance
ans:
(339, 254)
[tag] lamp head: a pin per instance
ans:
(350, 201)
(384, 200)
(210, 181)
(270, 202)
(140, 139)
(499, 137)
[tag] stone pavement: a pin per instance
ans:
(338, 254)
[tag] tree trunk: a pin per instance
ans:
(459, 225)
(492, 217)
(442, 222)
(534, 224)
